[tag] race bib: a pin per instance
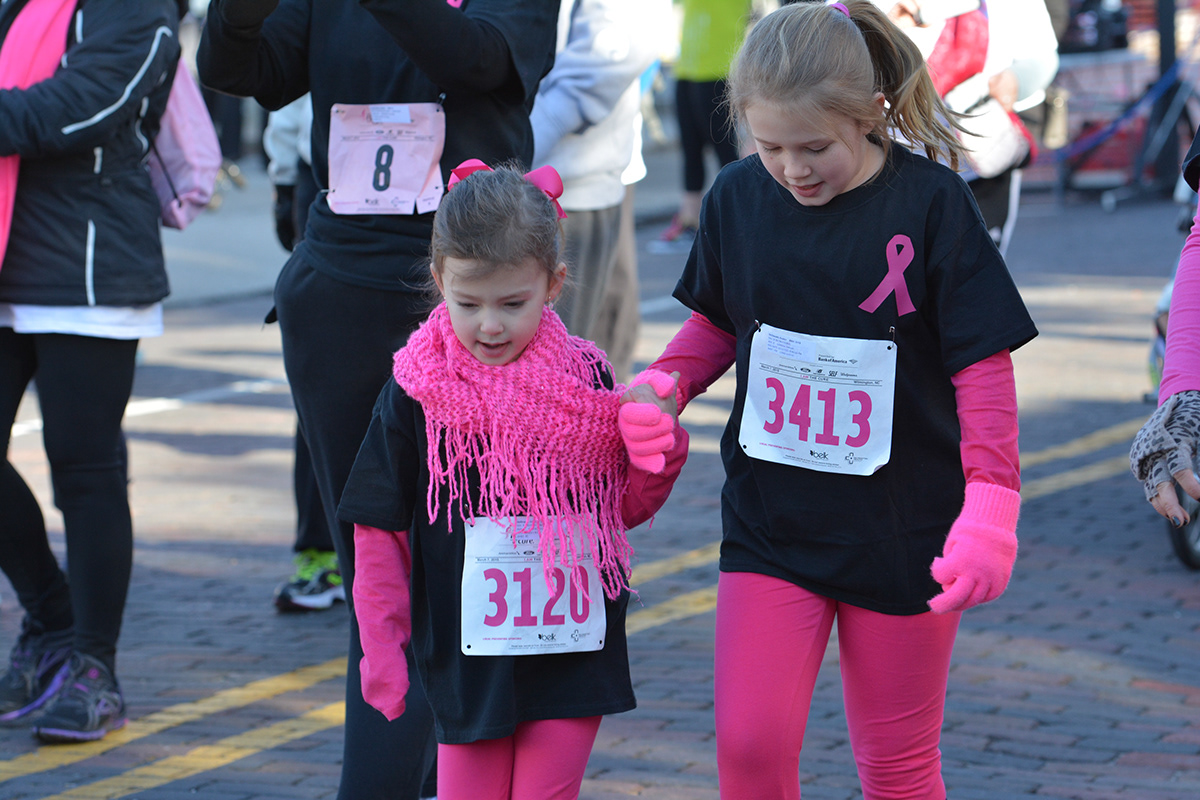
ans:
(383, 159)
(507, 607)
(819, 402)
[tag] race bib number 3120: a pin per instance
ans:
(509, 608)
(819, 402)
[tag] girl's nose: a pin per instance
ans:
(795, 168)
(491, 324)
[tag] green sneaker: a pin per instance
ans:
(316, 586)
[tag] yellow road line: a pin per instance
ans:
(1075, 477)
(668, 566)
(47, 758)
(1097, 440)
(678, 607)
(210, 756)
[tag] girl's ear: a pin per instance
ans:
(437, 279)
(556, 281)
(880, 101)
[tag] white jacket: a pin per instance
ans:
(587, 115)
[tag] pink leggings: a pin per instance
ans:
(543, 759)
(770, 638)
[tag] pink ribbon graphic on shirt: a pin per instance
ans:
(899, 256)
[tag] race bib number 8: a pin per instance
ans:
(509, 609)
(819, 402)
(384, 158)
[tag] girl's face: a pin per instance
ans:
(814, 159)
(496, 315)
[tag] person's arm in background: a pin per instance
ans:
(1022, 56)
(256, 48)
(462, 50)
(1164, 450)
(607, 49)
(281, 142)
(124, 53)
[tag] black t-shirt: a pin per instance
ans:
(473, 697)
(374, 51)
(763, 257)
(1191, 164)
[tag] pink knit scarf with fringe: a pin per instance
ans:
(31, 53)
(543, 438)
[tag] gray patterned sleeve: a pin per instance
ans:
(1167, 443)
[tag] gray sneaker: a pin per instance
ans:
(87, 707)
(37, 669)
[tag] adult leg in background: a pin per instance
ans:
(619, 317)
(86, 450)
(543, 759)
(590, 253)
(338, 341)
(894, 675)
(770, 639)
(25, 554)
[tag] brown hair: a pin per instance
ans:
(814, 57)
(497, 219)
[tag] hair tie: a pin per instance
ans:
(840, 7)
(545, 178)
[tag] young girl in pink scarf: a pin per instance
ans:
(490, 501)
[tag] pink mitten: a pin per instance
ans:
(383, 606)
(980, 550)
(648, 431)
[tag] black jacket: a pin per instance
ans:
(85, 228)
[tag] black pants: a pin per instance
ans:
(83, 385)
(338, 342)
(702, 124)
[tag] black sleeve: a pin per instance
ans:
(976, 307)
(383, 488)
(127, 50)
(267, 62)
(1191, 164)
(480, 48)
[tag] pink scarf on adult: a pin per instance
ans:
(543, 438)
(31, 52)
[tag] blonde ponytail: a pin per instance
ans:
(820, 59)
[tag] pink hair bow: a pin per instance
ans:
(545, 178)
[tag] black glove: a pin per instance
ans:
(246, 13)
(285, 225)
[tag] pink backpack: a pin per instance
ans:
(185, 156)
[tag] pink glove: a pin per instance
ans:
(383, 607)
(980, 550)
(648, 431)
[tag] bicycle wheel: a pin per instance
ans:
(1186, 540)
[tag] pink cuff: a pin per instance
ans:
(989, 504)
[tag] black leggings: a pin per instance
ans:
(701, 125)
(83, 385)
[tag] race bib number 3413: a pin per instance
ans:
(509, 608)
(819, 402)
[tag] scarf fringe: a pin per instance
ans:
(543, 440)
